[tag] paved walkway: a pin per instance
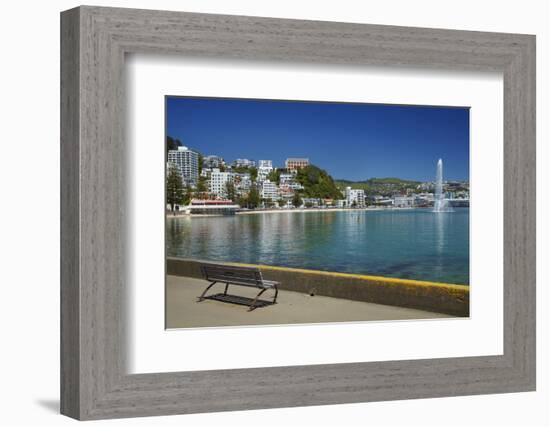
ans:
(183, 310)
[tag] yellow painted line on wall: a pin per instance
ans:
(385, 280)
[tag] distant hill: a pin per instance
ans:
(317, 183)
(382, 186)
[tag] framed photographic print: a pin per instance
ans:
(262, 213)
(310, 221)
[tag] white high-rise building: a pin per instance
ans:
(268, 164)
(244, 163)
(187, 161)
(269, 190)
(355, 197)
(212, 161)
(265, 167)
(218, 182)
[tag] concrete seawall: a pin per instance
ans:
(430, 296)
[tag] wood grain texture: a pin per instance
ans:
(94, 240)
(70, 292)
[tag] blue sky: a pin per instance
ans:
(350, 141)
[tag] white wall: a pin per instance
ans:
(29, 226)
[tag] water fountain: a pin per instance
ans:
(440, 204)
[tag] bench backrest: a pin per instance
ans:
(246, 276)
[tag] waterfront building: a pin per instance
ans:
(265, 167)
(269, 190)
(212, 207)
(424, 200)
(427, 196)
(295, 163)
(403, 201)
(310, 201)
(187, 161)
(355, 197)
(218, 182)
(244, 163)
(341, 203)
(211, 162)
(383, 201)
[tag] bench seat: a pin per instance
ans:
(239, 276)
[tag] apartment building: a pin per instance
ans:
(187, 161)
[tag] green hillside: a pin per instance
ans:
(317, 183)
(380, 186)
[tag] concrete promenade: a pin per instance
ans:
(419, 295)
(183, 310)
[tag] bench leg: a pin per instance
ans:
(226, 286)
(201, 298)
(253, 305)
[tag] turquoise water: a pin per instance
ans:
(412, 244)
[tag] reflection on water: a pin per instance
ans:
(416, 244)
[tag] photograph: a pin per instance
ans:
(301, 212)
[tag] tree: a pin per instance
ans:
(201, 161)
(188, 195)
(230, 192)
(317, 183)
(172, 143)
(274, 176)
(282, 203)
(297, 200)
(201, 187)
(253, 174)
(253, 198)
(242, 201)
(174, 187)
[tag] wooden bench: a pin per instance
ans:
(240, 276)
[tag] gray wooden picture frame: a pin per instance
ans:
(94, 382)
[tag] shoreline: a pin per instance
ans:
(317, 210)
(296, 210)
